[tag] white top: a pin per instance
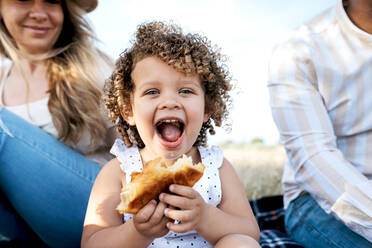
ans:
(209, 187)
(39, 116)
(320, 84)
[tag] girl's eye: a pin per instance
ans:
(53, 1)
(186, 91)
(151, 92)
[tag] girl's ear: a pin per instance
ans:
(128, 118)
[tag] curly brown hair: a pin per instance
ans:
(187, 53)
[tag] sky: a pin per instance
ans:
(245, 30)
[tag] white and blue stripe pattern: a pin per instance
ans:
(320, 84)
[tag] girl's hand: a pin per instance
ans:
(187, 206)
(150, 221)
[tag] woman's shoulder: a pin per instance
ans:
(4, 62)
(4, 59)
(5, 65)
(104, 66)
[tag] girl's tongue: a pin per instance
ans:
(170, 132)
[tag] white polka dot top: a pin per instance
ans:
(209, 187)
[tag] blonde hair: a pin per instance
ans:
(76, 71)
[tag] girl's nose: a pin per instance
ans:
(169, 103)
(37, 11)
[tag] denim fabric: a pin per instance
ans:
(308, 224)
(46, 183)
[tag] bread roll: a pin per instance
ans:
(156, 178)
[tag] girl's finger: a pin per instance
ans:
(163, 222)
(176, 201)
(145, 213)
(158, 213)
(180, 228)
(181, 215)
(183, 191)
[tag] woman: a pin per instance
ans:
(50, 80)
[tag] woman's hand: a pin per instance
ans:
(186, 206)
(150, 221)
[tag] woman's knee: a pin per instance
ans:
(237, 241)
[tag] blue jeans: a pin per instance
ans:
(308, 224)
(42, 183)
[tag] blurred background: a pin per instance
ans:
(246, 31)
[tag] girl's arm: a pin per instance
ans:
(103, 225)
(232, 216)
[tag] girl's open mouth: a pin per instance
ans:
(170, 132)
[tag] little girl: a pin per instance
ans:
(164, 95)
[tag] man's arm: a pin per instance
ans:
(307, 133)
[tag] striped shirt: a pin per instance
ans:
(320, 85)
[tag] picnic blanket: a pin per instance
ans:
(269, 214)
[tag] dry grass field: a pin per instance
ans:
(259, 167)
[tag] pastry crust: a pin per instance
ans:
(156, 178)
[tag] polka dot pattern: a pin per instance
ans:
(129, 158)
(209, 187)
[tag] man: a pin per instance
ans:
(320, 84)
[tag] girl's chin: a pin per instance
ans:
(171, 155)
(174, 154)
(161, 151)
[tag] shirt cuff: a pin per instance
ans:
(354, 208)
